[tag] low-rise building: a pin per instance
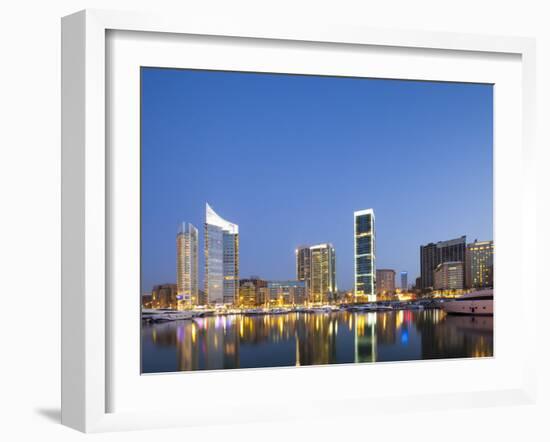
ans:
(385, 282)
(449, 276)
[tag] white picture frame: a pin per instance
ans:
(86, 206)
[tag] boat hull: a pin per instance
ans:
(466, 307)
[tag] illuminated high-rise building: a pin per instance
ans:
(316, 266)
(303, 263)
(187, 248)
(322, 273)
(364, 254)
(479, 264)
(221, 253)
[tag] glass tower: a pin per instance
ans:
(187, 247)
(221, 253)
(364, 250)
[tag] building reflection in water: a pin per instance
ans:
(298, 339)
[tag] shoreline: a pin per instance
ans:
(166, 315)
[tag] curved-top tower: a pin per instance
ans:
(221, 253)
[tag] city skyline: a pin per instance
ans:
(307, 265)
(271, 256)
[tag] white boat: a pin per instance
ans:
(479, 302)
(160, 315)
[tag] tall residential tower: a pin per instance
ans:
(364, 254)
(187, 248)
(322, 273)
(221, 254)
(316, 266)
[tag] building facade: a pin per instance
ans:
(385, 282)
(249, 291)
(187, 249)
(479, 264)
(364, 254)
(221, 253)
(449, 276)
(322, 279)
(433, 254)
(303, 264)
(287, 292)
(316, 267)
(404, 281)
(165, 296)
(247, 294)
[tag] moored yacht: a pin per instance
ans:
(162, 315)
(479, 302)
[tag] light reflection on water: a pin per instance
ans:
(298, 339)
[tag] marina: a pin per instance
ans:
(166, 315)
(305, 338)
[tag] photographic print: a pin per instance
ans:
(298, 220)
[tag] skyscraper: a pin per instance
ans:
(303, 263)
(316, 266)
(187, 248)
(404, 281)
(221, 253)
(322, 275)
(364, 253)
(433, 254)
(385, 281)
(479, 264)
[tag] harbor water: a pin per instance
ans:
(300, 339)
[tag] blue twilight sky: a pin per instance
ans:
(290, 158)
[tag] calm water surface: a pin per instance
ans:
(296, 339)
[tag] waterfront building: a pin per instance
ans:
(287, 292)
(249, 291)
(263, 296)
(404, 281)
(449, 276)
(364, 254)
(202, 298)
(385, 282)
(322, 279)
(164, 296)
(187, 250)
(316, 267)
(433, 254)
(247, 294)
(479, 264)
(147, 300)
(221, 253)
(303, 264)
